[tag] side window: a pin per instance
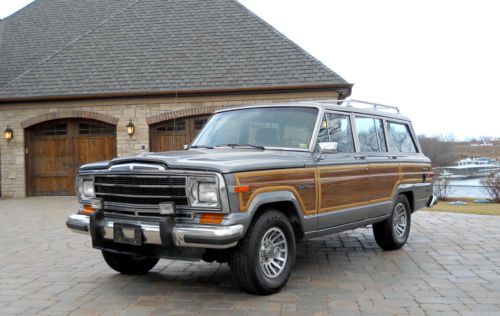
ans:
(337, 128)
(400, 139)
(370, 134)
(323, 131)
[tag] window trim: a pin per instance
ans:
(384, 130)
(410, 131)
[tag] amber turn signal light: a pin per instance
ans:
(211, 218)
(88, 210)
(241, 189)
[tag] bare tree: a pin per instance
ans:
(441, 152)
(491, 184)
(441, 187)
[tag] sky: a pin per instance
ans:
(437, 60)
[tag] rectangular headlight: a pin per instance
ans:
(85, 188)
(208, 192)
(203, 191)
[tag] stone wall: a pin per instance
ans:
(142, 112)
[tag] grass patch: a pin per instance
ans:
(469, 208)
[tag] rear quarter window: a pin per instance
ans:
(399, 138)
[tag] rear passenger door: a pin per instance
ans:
(383, 169)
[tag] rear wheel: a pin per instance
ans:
(127, 264)
(392, 233)
(263, 260)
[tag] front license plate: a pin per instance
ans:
(127, 234)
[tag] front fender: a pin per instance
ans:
(264, 198)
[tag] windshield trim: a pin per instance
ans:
(314, 135)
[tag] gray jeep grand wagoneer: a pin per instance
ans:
(255, 181)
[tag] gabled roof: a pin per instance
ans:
(70, 48)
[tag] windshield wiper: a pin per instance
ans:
(200, 146)
(242, 145)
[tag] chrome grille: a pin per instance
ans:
(137, 194)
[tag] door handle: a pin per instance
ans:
(362, 157)
(392, 157)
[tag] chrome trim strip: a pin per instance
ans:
(140, 185)
(143, 196)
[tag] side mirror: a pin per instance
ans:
(185, 146)
(328, 147)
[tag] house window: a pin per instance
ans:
(52, 129)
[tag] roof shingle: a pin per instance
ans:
(148, 46)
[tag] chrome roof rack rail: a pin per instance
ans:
(352, 103)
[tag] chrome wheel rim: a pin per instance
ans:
(400, 221)
(273, 252)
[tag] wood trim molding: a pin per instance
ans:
(69, 114)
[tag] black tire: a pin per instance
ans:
(127, 264)
(390, 236)
(245, 261)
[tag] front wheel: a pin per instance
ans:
(127, 264)
(263, 260)
(392, 233)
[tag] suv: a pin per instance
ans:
(256, 180)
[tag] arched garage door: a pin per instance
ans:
(56, 149)
(173, 134)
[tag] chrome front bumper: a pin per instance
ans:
(183, 235)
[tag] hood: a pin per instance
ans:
(220, 160)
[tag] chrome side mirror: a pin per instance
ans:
(328, 147)
(185, 146)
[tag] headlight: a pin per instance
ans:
(208, 192)
(85, 188)
(204, 192)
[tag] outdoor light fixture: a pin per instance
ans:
(8, 134)
(130, 128)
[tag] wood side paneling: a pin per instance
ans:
(414, 173)
(301, 182)
(343, 187)
(328, 189)
(384, 179)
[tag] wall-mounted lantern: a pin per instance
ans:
(130, 128)
(8, 134)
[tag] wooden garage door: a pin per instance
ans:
(56, 149)
(173, 134)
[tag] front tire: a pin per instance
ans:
(392, 233)
(127, 264)
(263, 260)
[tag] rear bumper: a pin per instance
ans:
(182, 235)
(432, 201)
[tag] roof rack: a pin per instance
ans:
(352, 103)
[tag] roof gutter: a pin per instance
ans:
(344, 90)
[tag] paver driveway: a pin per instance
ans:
(451, 264)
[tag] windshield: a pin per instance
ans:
(284, 127)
